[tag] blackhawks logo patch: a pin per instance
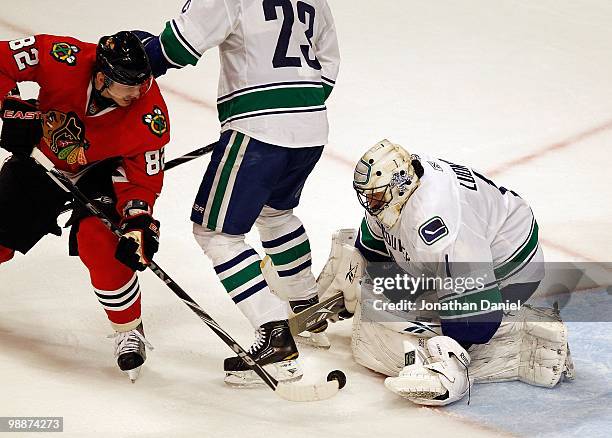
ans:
(64, 53)
(65, 135)
(156, 121)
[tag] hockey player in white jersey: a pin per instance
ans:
(438, 220)
(279, 62)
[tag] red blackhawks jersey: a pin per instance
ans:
(73, 138)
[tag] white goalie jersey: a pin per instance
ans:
(279, 62)
(458, 223)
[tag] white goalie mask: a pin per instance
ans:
(384, 179)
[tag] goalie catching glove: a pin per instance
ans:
(140, 239)
(436, 372)
(21, 126)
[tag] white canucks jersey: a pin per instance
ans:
(458, 223)
(279, 62)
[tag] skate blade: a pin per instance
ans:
(409, 387)
(133, 374)
(287, 371)
(316, 340)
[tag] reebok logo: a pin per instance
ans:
(352, 272)
(319, 316)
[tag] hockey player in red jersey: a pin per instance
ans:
(101, 119)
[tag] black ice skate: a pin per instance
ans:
(130, 351)
(274, 349)
(315, 335)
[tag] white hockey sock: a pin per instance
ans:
(238, 267)
(284, 239)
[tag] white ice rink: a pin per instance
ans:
(519, 89)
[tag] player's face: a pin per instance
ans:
(375, 200)
(124, 95)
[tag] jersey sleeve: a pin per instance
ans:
(370, 243)
(328, 53)
(19, 61)
(202, 24)
(470, 293)
(140, 177)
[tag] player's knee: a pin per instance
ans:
(6, 254)
(216, 244)
(272, 218)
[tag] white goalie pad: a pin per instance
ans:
(343, 270)
(377, 347)
(532, 349)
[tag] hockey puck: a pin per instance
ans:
(339, 376)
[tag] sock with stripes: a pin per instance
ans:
(115, 285)
(285, 240)
(238, 267)
(122, 305)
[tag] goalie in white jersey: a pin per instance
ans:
(279, 62)
(439, 220)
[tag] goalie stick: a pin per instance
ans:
(288, 391)
(301, 322)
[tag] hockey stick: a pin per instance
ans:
(173, 163)
(190, 156)
(288, 391)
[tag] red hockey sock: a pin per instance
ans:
(6, 254)
(116, 286)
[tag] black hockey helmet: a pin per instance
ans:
(123, 59)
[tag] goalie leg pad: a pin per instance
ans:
(376, 347)
(533, 349)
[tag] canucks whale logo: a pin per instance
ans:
(156, 121)
(65, 53)
(433, 230)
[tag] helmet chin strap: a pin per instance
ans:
(101, 101)
(106, 84)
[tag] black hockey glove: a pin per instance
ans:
(140, 241)
(21, 126)
(157, 59)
